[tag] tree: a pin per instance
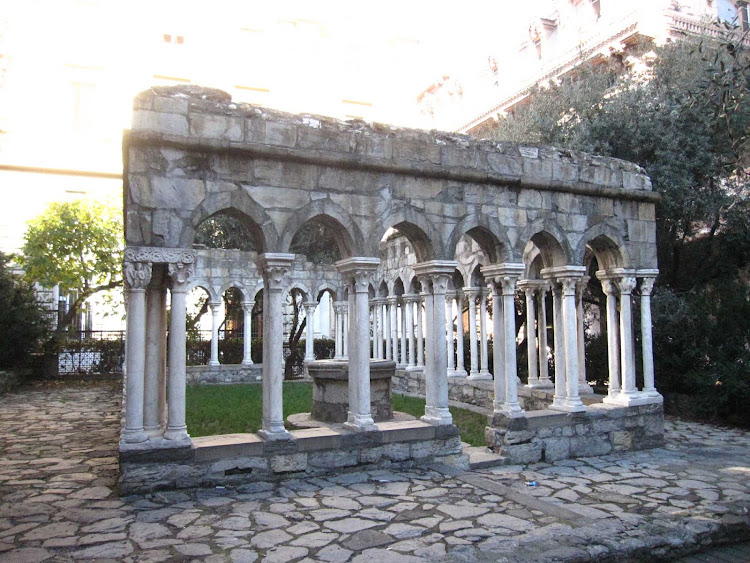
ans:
(23, 321)
(77, 245)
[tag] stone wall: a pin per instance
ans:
(9, 380)
(230, 373)
(547, 435)
(243, 458)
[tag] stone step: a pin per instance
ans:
(481, 457)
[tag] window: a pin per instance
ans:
(743, 15)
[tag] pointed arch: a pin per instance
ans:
(348, 235)
(551, 241)
(607, 243)
(415, 226)
(489, 234)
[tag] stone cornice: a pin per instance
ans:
(158, 255)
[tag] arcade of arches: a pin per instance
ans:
(428, 226)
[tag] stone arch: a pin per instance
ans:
(243, 207)
(607, 244)
(398, 288)
(349, 237)
(551, 241)
(296, 284)
(420, 232)
(487, 231)
(415, 286)
(207, 287)
(329, 287)
(236, 284)
(382, 289)
(253, 292)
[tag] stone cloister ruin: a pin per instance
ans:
(537, 216)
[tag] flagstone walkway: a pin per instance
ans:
(58, 470)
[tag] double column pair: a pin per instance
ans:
(620, 342)
(151, 412)
(479, 363)
(247, 309)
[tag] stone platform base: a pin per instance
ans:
(548, 435)
(229, 373)
(233, 459)
(304, 420)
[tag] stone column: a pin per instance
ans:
(338, 308)
(387, 330)
(566, 319)
(498, 356)
(403, 355)
(504, 278)
(215, 310)
(484, 372)
(471, 296)
(420, 333)
(393, 304)
(377, 344)
(358, 271)
(345, 332)
(544, 381)
(247, 337)
(583, 386)
(558, 400)
(180, 275)
(137, 277)
(154, 407)
(613, 345)
(460, 369)
(647, 285)
(275, 269)
(450, 342)
(310, 336)
(529, 289)
(434, 277)
(626, 283)
(409, 308)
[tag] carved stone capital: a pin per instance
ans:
(309, 306)
(506, 284)
(180, 274)
(248, 305)
(275, 269)
(609, 287)
(647, 285)
(137, 275)
(340, 307)
(471, 293)
(157, 255)
(569, 286)
(361, 279)
(626, 284)
(440, 283)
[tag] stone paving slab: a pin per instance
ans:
(58, 470)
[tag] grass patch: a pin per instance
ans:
(233, 409)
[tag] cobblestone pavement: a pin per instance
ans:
(58, 468)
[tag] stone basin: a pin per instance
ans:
(331, 389)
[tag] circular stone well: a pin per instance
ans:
(331, 389)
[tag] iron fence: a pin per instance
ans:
(90, 352)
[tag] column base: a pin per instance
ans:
(479, 376)
(485, 374)
(567, 404)
(213, 363)
(135, 436)
(360, 423)
(270, 435)
(437, 416)
(512, 410)
(416, 368)
(456, 373)
(402, 366)
(177, 434)
(156, 432)
(538, 384)
(585, 388)
(634, 399)
(247, 363)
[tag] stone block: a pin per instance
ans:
(397, 451)
(374, 455)
(536, 170)
(255, 130)
(316, 439)
(518, 436)
(220, 127)
(171, 105)
(556, 449)
(504, 164)
(524, 453)
(622, 440)
(239, 466)
(333, 459)
(210, 448)
(176, 193)
(500, 420)
(286, 463)
(427, 448)
(408, 431)
(585, 446)
(281, 134)
(457, 461)
(356, 440)
(157, 122)
(446, 431)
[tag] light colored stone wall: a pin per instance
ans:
(232, 373)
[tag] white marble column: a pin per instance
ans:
(310, 330)
(504, 278)
(275, 269)
(339, 307)
(566, 337)
(647, 285)
(420, 332)
(393, 305)
(180, 275)
(378, 329)
(434, 277)
(410, 343)
(460, 369)
(484, 371)
(583, 386)
(345, 332)
(155, 388)
(450, 350)
(544, 381)
(215, 311)
(358, 272)
(498, 356)
(137, 277)
(613, 342)
(626, 283)
(402, 321)
(387, 330)
(247, 337)
(471, 299)
(529, 289)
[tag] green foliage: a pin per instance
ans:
(226, 231)
(78, 245)
(318, 242)
(23, 322)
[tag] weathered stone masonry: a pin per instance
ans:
(539, 215)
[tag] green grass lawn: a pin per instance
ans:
(231, 409)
